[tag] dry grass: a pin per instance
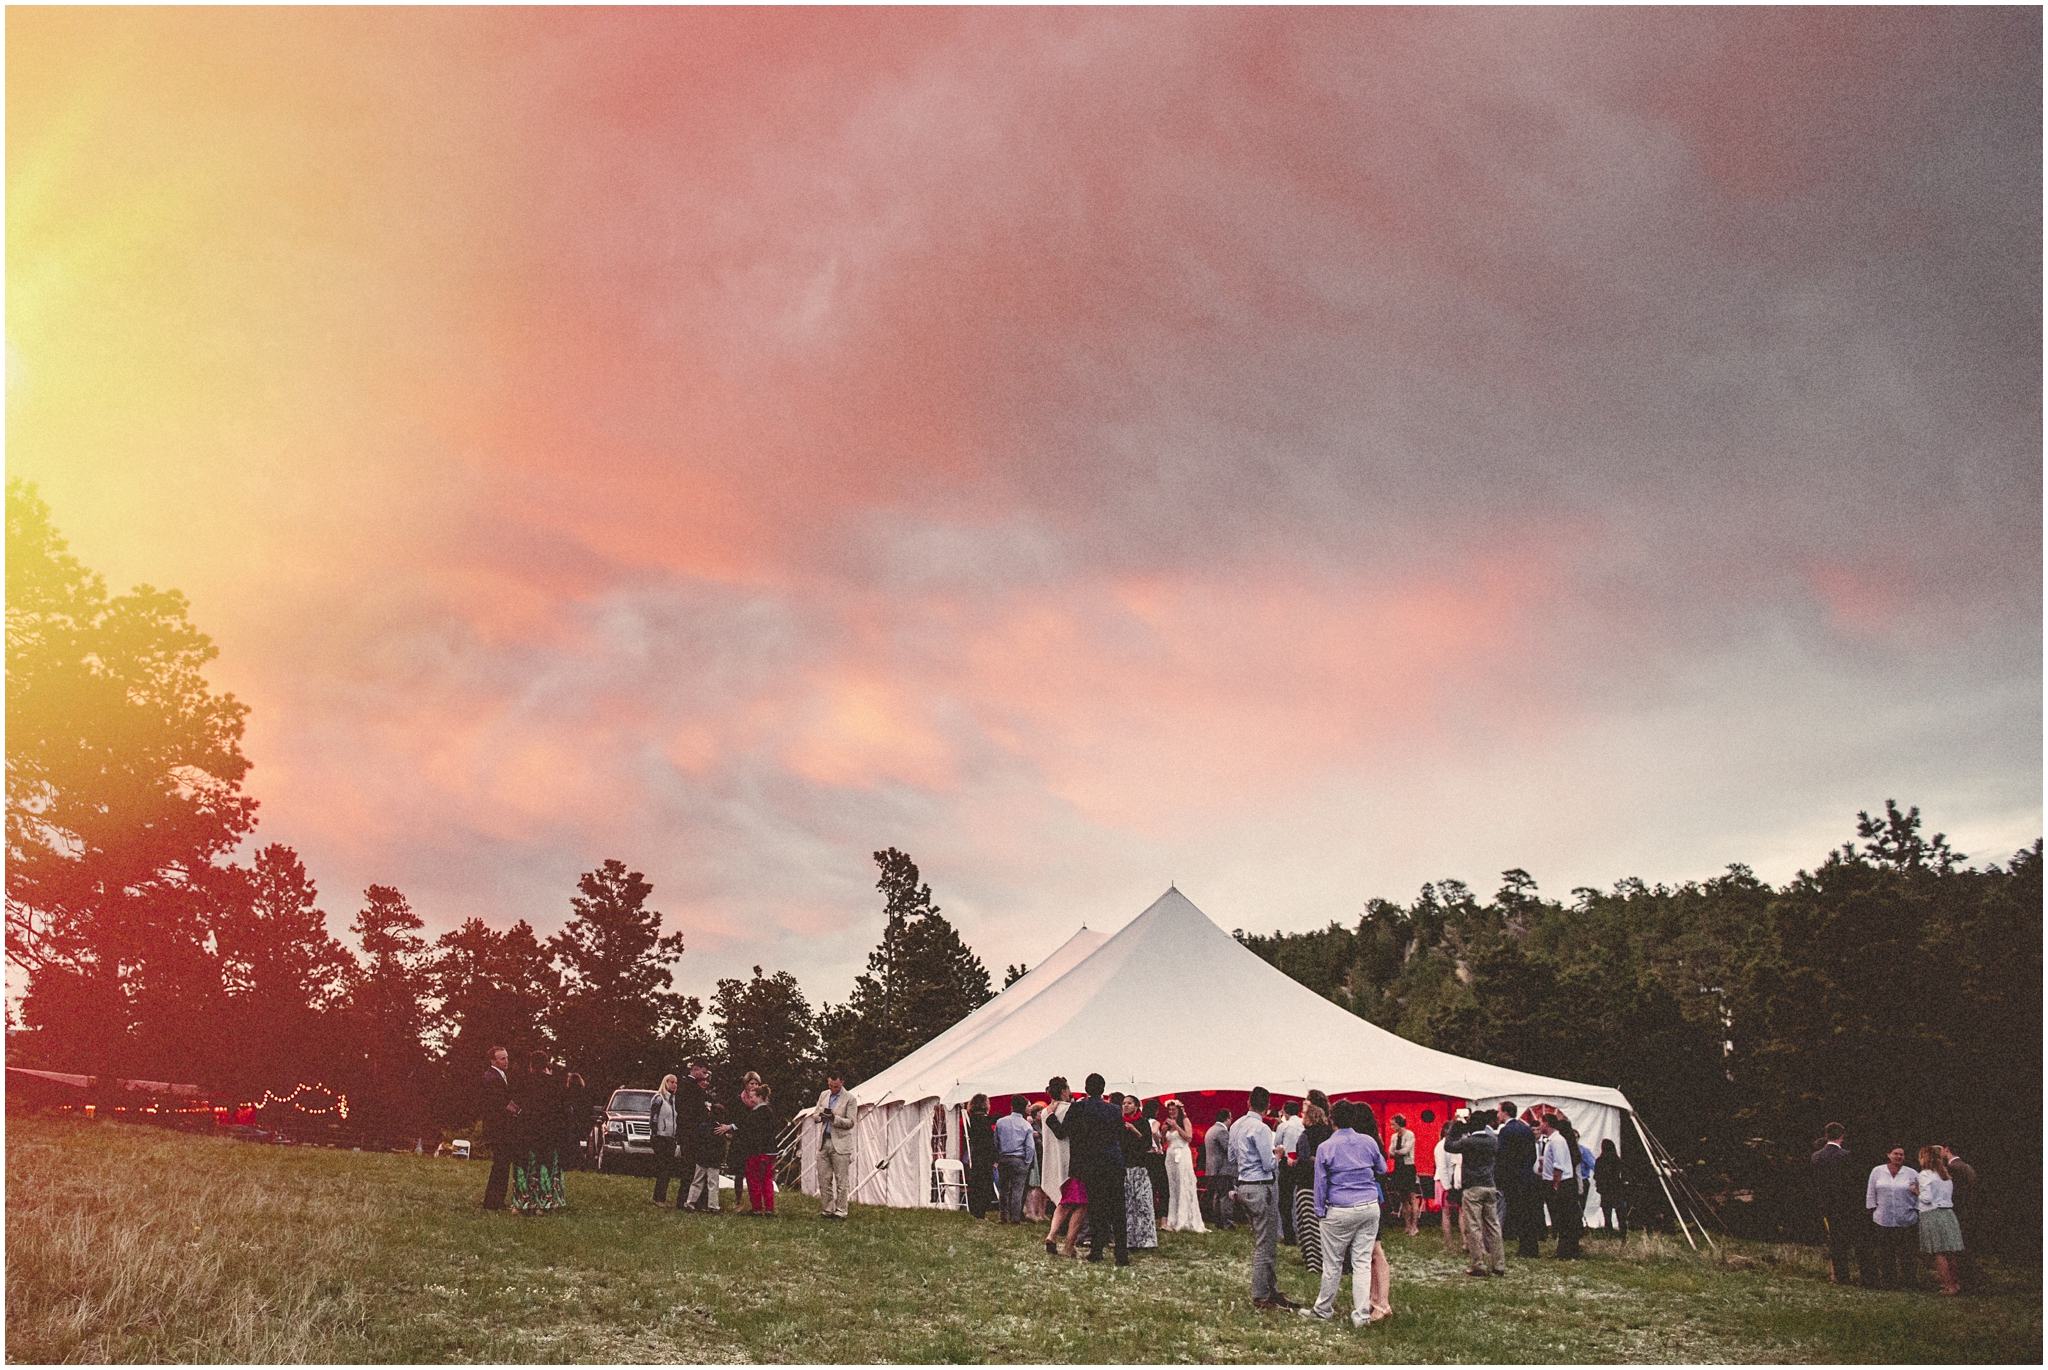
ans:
(126, 1244)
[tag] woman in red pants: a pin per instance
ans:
(758, 1129)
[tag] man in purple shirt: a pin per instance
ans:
(1349, 1167)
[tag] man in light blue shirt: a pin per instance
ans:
(1349, 1167)
(1251, 1146)
(1016, 1149)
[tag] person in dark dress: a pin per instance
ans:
(1613, 1197)
(575, 1119)
(537, 1164)
(1307, 1227)
(1093, 1131)
(1155, 1158)
(981, 1157)
(1141, 1218)
(500, 1114)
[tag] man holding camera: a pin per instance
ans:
(1477, 1147)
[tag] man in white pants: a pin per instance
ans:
(1349, 1168)
(835, 1152)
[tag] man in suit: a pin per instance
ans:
(1838, 1186)
(840, 1110)
(1094, 1132)
(499, 1115)
(1515, 1170)
(1221, 1170)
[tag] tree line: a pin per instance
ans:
(1891, 988)
(151, 952)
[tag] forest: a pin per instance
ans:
(1891, 988)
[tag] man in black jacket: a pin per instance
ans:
(499, 1114)
(1515, 1169)
(1093, 1131)
(1838, 1184)
(1476, 1143)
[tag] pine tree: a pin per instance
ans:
(766, 1025)
(920, 980)
(385, 1002)
(616, 1019)
(124, 799)
(283, 975)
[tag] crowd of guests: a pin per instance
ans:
(1889, 1217)
(532, 1119)
(535, 1121)
(697, 1138)
(1111, 1170)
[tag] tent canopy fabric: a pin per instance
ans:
(1119, 1006)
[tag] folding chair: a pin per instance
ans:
(951, 1183)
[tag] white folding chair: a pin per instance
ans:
(952, 1183)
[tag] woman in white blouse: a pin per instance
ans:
(1893, 1198)
(1941, 1236)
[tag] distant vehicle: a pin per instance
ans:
(625, 1139)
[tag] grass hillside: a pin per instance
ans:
(130, 1244)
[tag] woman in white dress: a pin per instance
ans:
(1183, 1202)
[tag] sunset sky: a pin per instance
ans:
(1294, 454)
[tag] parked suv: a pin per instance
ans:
(627, 1133)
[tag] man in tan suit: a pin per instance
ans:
(839, 1110)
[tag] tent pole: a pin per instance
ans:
(1701, 1208)
(1650, 1150)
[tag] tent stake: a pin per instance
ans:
(1650, 1150)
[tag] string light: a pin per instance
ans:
(339, 1106)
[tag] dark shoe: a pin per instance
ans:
(1095, 1258)
(1123, 1260)
(1265, 1305)
(1480, 1273)
(1052, 1249)
(1282, 1301)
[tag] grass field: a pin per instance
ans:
(131, 1244)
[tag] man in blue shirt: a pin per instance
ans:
(1251, 1146)
(1349, 1167)
(1016, 1148)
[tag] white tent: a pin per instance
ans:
(1132, 1007)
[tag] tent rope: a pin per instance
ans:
(1666, 1169)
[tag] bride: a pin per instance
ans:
(1183, 1203)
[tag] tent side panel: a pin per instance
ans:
(807, 1155)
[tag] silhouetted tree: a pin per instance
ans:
(283, 974)
(765, 1024)
(124, 776)
(385, 1003)
(920, 980)
(616, 1018)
